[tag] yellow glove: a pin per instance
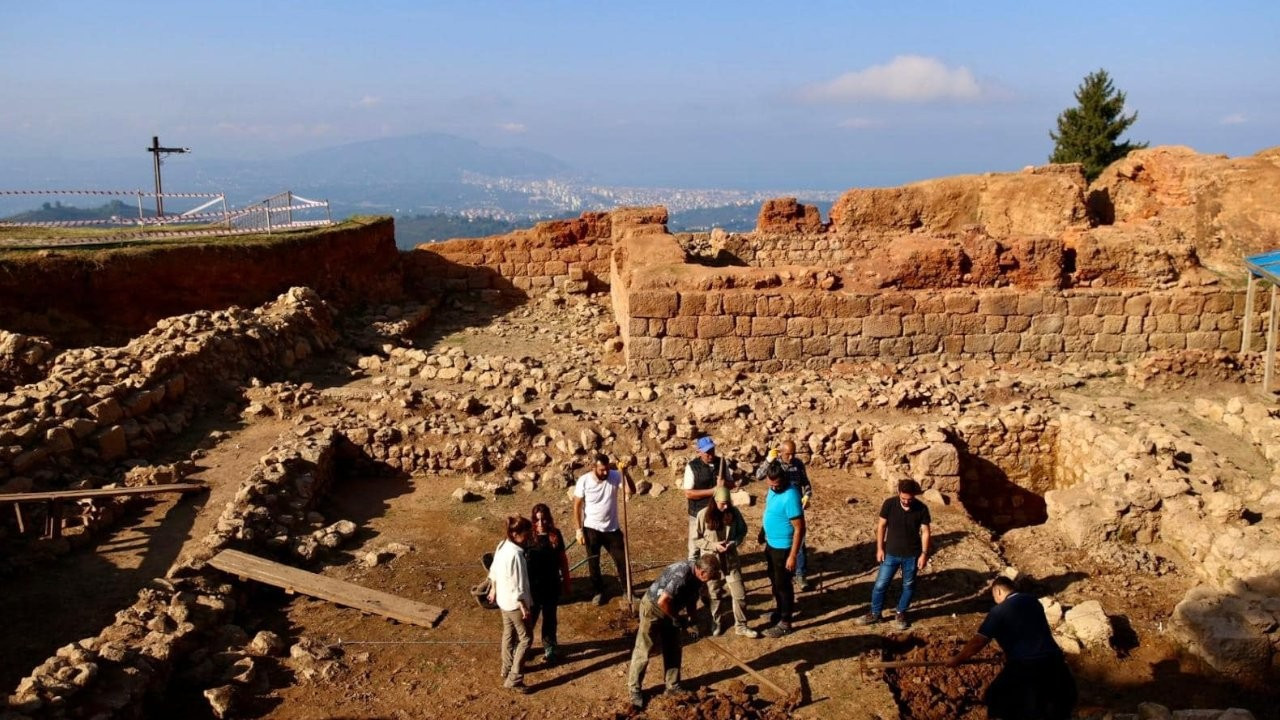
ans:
(773, 455)
(804, 501)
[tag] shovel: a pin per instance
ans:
(627, 602)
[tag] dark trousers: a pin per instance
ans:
(611, 542)
(1032, 690)
(784, 595)
(546, 607)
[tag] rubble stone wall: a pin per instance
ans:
(795, 323)
(98, 407)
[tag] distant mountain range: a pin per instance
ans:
(430, 174)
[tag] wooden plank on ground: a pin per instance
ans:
(339, 592)
(56, 495)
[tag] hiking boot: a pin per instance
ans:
(868, 619)
(746, 632)
(803, 584)
(519, 687)
(637, 699)
(550, 655)
(778, 630)
(677, 692)
(598, 599)
(900, 622)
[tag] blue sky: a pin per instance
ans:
(700, 94)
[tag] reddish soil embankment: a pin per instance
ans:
(105, 295)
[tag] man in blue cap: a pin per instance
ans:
(701, 476)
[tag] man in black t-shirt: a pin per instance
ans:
(902, 542)
(1035, 681)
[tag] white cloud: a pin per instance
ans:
(369, 101)
(906, 78)
(859, 123)
(512, 127)
(1234, 119)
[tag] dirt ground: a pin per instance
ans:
(386, 670)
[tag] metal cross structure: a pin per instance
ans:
(156, 151)
(1263, 266)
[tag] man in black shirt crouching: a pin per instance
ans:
(1036, 683)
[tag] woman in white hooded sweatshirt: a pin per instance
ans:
(513, 594)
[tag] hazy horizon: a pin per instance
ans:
(741, 95)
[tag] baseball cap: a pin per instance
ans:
(706, 444)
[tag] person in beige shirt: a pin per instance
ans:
(720, 530)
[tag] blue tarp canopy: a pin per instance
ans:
(1265, 265)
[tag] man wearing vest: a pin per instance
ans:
(701, 476)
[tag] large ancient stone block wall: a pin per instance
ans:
(770, 329)
(569, 254)
(767, 250)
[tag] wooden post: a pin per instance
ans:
(626, 536)
(1246, 337)
(1271, 344)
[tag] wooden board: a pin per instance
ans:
(58, 495)
(339, 592)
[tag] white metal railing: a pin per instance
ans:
(283, 211)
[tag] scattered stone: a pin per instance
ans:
(465, 496)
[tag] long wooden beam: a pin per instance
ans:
(292, 580)
(59, 495)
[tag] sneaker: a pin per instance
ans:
(900, 622)
(549, 655)
(746, 632)
(677, 691)
(717, 629)
(868, 619)
(803, 584)
(519, 688)
(598, 599)
(778, 630)
(637, 699)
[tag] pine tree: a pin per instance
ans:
(1089, 133)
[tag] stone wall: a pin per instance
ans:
(98, 407)
(110, 295)
(762, 249)
(568, 254)
(769, 322)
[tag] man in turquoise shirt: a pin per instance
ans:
(783, 529)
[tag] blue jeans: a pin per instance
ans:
(801, 565)
(888, 569)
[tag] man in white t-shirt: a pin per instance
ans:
(595, 511)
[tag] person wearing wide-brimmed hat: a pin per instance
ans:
(721, 530)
